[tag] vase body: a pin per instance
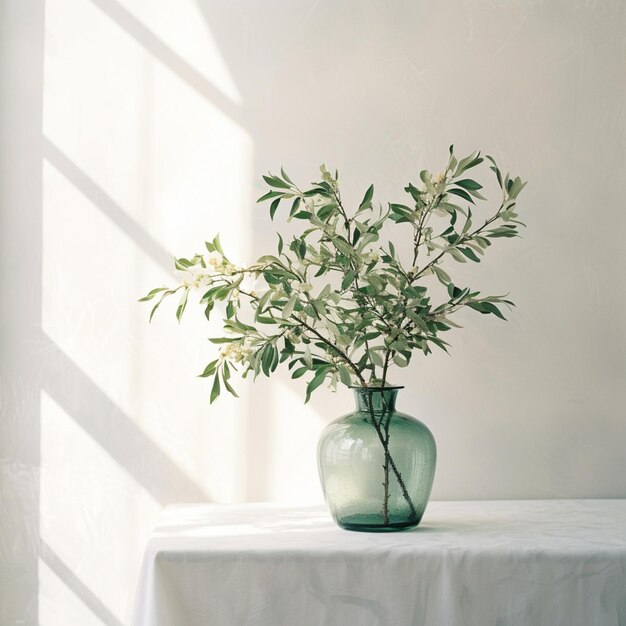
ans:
(376, 464)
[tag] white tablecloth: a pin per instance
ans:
(530, 563)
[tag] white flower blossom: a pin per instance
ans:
(236, 352)
(194, 277)
(370, 257)
(213, 259)
(293, 335)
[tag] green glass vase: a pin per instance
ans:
(376, 465)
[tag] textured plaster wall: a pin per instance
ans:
(134, 129)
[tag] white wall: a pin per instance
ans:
(135, 129)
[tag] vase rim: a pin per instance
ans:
(386, 388)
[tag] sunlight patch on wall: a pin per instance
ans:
(185, 31)
(147, 371)
(143, 161)
(147, 133)
(93, 513)
(200, 172)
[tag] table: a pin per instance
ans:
(497, 563)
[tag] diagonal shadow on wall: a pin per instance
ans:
(77, 586)
(105, 203)
(107, 424)
(181, 68)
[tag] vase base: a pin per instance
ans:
(373, 523)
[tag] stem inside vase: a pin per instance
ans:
(382, 430)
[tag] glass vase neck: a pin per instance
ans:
(376, 399)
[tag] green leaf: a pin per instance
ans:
(326, 211)
(274, 181)
(301, 371)
(468, 222)
(468, 183)
(400, 208)
(215, 391)
(367, 198)
(400, 360)
(182, 264)
(209, 369)
(222, 292)
(284, 175)
(502, 231)
(280, 244)
(229, 388)
(218, 245)
(275, 358)
(317, 380)
(294, 207)
(182, 305)
(238, 326)
(456, 255)
(225, 371)
(268, 258)
(264, 319)
(439, 342)
(486, 308)
(442, 275)
(476, 194)
(152, 293)
(307, 358)
(516, 187)
(344, 375)
(267, 196)
(273, 207)
(470, 254)
(348, 279)
(359, 341)
(267, 359)
(220, 340)
(343, 246)
(493, 309)
(414, 191)
(317, 191)
(462, 193)
(376, 358)
(468, 162)
(156, 306)
(495, 169)
(400, 213)
(288, 308)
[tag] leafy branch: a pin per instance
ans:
(336, 301)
